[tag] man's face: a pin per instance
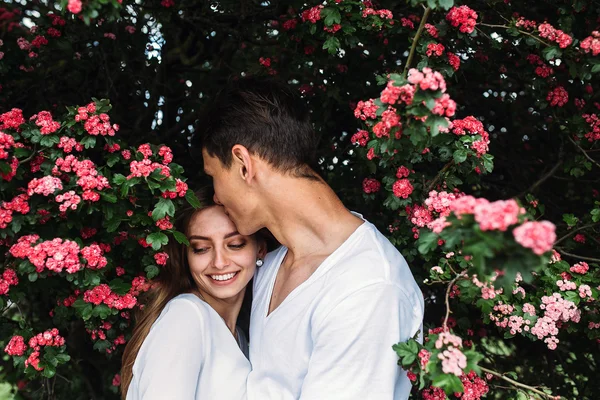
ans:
(230, 192)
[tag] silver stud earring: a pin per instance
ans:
(259, 263)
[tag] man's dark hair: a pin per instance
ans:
(265, 116)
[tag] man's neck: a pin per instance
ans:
(307, 217)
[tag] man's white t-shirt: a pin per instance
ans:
(332, 336)
(189, 354)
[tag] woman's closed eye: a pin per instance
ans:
(237, 246)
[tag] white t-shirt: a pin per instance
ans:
(189, 354)
(332, 336)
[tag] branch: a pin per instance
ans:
(439, 176)
(520, 31)
(445, 324)
(561, 251)
(547, 175)
(411, 54)
(518, 384)
(574, 231)
(584, 152)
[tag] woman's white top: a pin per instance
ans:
(189, 354)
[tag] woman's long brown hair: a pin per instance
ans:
(174, 279)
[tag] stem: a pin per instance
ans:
(568, 235)
(517, 384)
(520, 31)
(439, 176)
(30, 156)
(561, 251)
(445, 324)
(584, 152)
(411, 54)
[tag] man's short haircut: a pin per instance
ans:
(265, 116)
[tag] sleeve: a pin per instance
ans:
(173, 355)
(352, 356)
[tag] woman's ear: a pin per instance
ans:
(262, 248)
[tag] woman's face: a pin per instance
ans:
(221, 260)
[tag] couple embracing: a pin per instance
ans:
(327, 305)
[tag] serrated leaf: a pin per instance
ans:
(157, 240)
(181, 238)
(191, 198)
(163, 207)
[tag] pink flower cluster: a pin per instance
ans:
(453, 360)
(389, 120)
(47, 338)
(69, 200)
(566, 285)
(424, 357)
(312, 14)
(94, 255)
(498, 215)
(538, 236)
(474, 387)
(161, 258)
(8, 279)
(180, 190)
(89, 180)
(580, 268)
(557, 311)
(444, 106)
(74, 6)
(558, 97)
(16, 346)
(453, 60)
(594, 122)
(12, 119)
(402, 188)
(54, 255)
(471, 125)
(44, 120)
(435, 49)
(68, 144)
(164, 223)
(591, 43)
(547, 31)
(440, 202)
(371, 185)
(384, 14)
(361, 137)
(464, 17)
(103, 294)
(391, 94)
(366, 109)
(44, 186)
(427, 80)
(7, 142)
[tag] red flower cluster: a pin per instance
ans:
(44, 120)
(594, 122)
(453, 60)
(402, 188)
(94, 255)
(8, 279)
(312, 14)
(547, 31)
(68, 144)
(371, 185)
(7, 142)
(464, 17)
(591, 43)
(103, 294)
(384, 14)
(558, 97)
(361, 137)
(435, 49)
(47, 338)
(180, 190)
(44, 186)
(366, 109)
(12, 119)
(16, 346)
(403, 94)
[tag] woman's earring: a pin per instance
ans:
(259, 263)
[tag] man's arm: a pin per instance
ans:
(352, 356)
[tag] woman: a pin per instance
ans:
(186, 344)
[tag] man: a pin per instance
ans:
(330, 303)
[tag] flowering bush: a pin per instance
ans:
(87, 216)
(466, 131)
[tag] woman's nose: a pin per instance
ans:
(220, 261)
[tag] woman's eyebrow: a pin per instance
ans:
(198, 237)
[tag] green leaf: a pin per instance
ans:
(427, 242)
(331, 16)
(570, 219)
(163, 207)
(88, 142)
(157, 240)
(551, 52)
(460, 155)
(151, 271)
(449, 382)
(113, 224)
(332, 44)
(63, 358)
(33, 277)
(119, 179)
(446, 4)
(109, 197)
(83, 309)
(595, 68)
(191, 198)
(102, 311)
(119, 286)
(181, 238)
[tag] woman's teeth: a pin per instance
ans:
(225, 277)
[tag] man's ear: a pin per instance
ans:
(262, 249)
(242, 160)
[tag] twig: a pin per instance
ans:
(439, 176)
(584, 152)
(547, 175)
(517, 384)
(30, 156)
(445, 325)
(576, 230)
(561, 251)
(520, 31)
(411, 54)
